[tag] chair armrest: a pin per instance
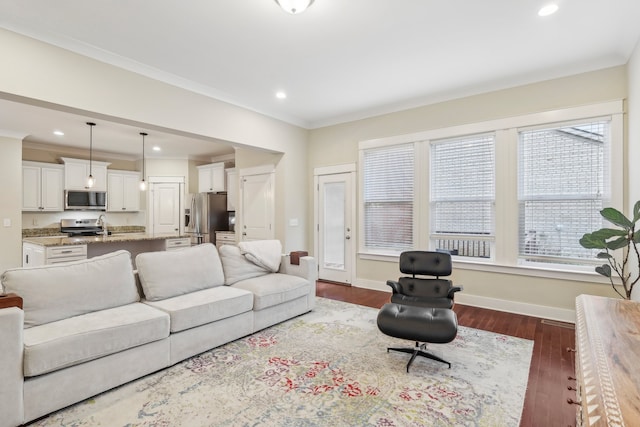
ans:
(306, 269)
(395, 286)
(453, 290)
(11, 379)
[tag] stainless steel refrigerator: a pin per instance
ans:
(207, 213)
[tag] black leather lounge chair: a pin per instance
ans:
(421, 307)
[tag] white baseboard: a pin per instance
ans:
(516, 307)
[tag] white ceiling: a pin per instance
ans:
(340, 60)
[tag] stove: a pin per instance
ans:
(81, 227)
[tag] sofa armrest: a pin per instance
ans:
(11, 374)
(307, 268)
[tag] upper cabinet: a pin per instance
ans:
(76, 172)
(123, 192)
(42, 187)
(232, 189)
(211, 178)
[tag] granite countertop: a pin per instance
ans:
(83, 240)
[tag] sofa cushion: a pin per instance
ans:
(58, 291)
(206, 306)
(274, 289)
(90, 336)
(237, 267)
(172, 273)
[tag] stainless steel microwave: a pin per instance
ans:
(75, 200)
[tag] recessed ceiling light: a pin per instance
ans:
(281, 95)
(156, 148)
(58, 133)
(547, 10)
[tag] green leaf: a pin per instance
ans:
(589, 241)
(616, 217)
(604, 270)
(607, 233)
(636, 212)
(604, 255)
(618, 243)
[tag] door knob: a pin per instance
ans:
(348, 237)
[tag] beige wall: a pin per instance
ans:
(338, 144)
(11, 197)
(44, 75)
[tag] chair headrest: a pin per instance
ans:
(426, 263)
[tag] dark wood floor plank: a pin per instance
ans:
(545, 402)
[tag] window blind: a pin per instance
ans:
(388, 190)
(463, 194)
(562, 180)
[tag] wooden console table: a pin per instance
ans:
(607, 361)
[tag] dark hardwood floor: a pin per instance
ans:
(547, 393)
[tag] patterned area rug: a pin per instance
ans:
(326, 368)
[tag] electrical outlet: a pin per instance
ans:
(34, 221)
(7, 222)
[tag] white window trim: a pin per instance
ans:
(416, 198)
(504, 257)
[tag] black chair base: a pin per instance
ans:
(418, 350)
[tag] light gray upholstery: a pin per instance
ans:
(172, 273)
(205, 306)
(274, 289)
(90, 336)
(11, 379)
(58, 291)
(237, 267)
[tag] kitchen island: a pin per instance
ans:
(56, 249)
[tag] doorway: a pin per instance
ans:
(165, 204)
(335, 219)
(257, 210)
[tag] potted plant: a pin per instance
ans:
(611, 239)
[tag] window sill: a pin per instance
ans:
(519, 270)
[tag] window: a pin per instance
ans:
(463, 195)
(562, 186)
(388, 196)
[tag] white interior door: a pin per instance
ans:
(336, 235)
(257, 207)
(166, 207)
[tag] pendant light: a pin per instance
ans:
(143, 183)
(90, 180)
(294, 7)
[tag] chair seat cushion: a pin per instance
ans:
(432, 325)
(78, 339)
(441, 302)
(205, 306)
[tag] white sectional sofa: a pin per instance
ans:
(89, 326)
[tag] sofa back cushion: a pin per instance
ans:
(172, 273)
(58, 291)
(237, 267)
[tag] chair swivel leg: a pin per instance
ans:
(418, 350)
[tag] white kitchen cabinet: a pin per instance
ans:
(123, 191)
(177, 243)
(42, 187)
(76, 172)
(211, 178)
(34, 255)
(232, 189)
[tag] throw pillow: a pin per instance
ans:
(236, 267)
